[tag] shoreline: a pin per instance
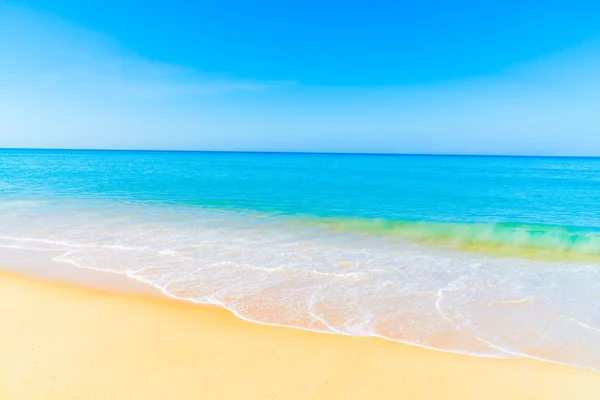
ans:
(41, 265)
(84, 342)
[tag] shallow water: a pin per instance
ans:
(489, 256)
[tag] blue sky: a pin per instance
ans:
(406, 77)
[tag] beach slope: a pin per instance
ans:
(62, 342)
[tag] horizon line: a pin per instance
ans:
(295, 152)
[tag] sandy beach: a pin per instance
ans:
(209, 200)
(60, 341)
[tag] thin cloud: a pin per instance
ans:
(46, 53)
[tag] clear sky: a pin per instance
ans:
(485, 77)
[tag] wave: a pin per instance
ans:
(534, 241)
(411, 282)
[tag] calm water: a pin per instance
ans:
(489, 256)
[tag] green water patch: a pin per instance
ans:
(540, 242)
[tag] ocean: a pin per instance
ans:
(487, 256)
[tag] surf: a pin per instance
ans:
(502, 239)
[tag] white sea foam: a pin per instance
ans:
(269, 271)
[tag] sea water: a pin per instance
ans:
(488, 256)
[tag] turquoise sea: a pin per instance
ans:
(488, 256)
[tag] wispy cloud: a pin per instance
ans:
(47, 53)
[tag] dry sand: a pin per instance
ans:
(63, 342)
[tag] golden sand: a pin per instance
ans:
(61, 342)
